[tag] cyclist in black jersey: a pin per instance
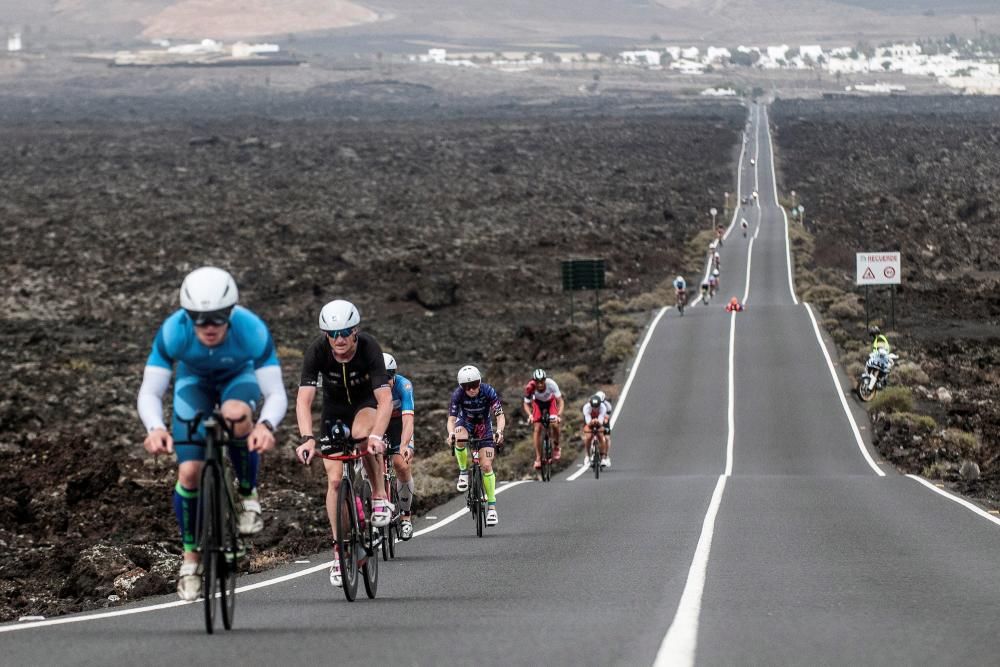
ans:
(350, 366)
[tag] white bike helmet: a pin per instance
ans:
(209, 290)
(538, 375)
(468, 374)
(679, 279)
(715, 272)
(339, 315)
(601, 395)
(390, 363)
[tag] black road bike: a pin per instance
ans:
(594, 450)
(217, 524)
(475, 498)
(546, 470)
(357, 537)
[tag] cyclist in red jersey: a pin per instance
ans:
(542, 393)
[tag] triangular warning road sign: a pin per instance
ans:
(868, 274)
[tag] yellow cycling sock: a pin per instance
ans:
(462, 456)
(490, 482)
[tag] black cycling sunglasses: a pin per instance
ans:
(471, 385)
(210, 318)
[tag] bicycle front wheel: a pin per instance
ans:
(479, 500)
(228, 560)
(369, 571)
(208, 542)
(595, 459)
(546, 459)
(347, 538)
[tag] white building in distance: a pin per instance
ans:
(644, 57)
(14, 41)
(812, 51)
(717, 54)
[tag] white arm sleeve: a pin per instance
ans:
(275, 399)
(155, 381)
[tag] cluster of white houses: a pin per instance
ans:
(970, 75)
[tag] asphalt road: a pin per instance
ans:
(745, 520)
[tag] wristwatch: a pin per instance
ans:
(267, 424)
(306, 438)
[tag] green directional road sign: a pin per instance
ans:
(578, 274)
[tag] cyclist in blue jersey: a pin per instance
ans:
(224, 356)
(400, 435)
(470, 415)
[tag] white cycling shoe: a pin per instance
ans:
(605, 462)
(381, 513)
(463, 481)
(336, 580)
(189, 581)
(405, 529)
(251, 522)
(491, 517)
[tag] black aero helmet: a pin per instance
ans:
(595, 401)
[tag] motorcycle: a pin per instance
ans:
(876, 374)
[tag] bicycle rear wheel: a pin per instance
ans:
(369, 571)
(208, 543)
(394, 524)
(228, 561)
(347, 538)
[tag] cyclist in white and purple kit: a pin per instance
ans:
(470, 415)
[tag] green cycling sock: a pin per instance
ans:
(463, 458)
(490, 482)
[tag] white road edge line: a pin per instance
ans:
(788, 247)
(628, 381)
(681, 640)
(240, 589)
(679, 644)
(840, 395)
(961, 501)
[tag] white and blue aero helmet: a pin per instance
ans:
(338, 315)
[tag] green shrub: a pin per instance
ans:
(937, 470)
(569, 383)
(914, 421)
(822, 295)
(613, 306)
(892, 399)
(964, 442)
(846, 308)
(618, 345)
(908, 372)
(646, 301)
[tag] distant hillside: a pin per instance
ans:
(526, 22)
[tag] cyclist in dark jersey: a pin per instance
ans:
(349, 365)
(473, 406)
(400, 442)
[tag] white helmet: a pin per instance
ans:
(680, 279)
(339, 315)
(208, 290)
(468, 374)
(390, 362)
(713, 245)
(715, 272)
(601, 395)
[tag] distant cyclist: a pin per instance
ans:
(744, 225)
(680, 290)
(713, 283)
(400, 435)
(349, 365)
(225, 356)
(594, 414)
(734, 306)
(716, 261)
(473, 406)
(606, 463)
(704, 292)
(542, 394)
(719, 233)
